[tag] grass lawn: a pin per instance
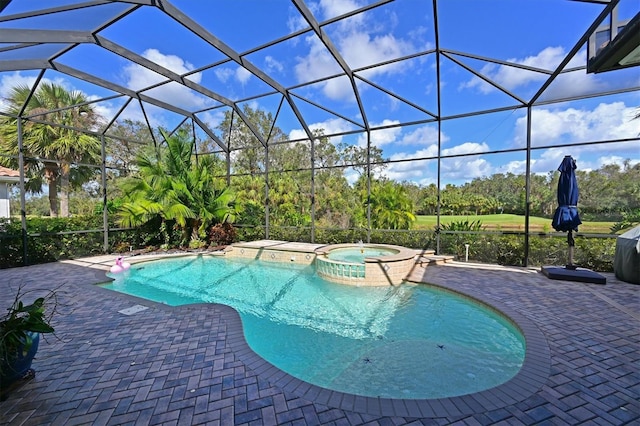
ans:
(509, 222)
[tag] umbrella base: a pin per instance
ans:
(567, 274)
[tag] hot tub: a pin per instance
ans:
(364, 264)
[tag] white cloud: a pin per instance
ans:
(212, 118)
(428, 152)
(381, 137)
(351, 176)
(106, 110)
(359, 41)
(424, 138)
(548, 161)
(465, 168)
(333, 8)
(172, 63)
(137, 77)
(575, 83)
(272, 64)
(407, 171)
(423, 135)
(11, 80)
(516, 167)
(317, 63)
(548, 59)
(223, 74)
(512, 78)
(466, 148)
(329, 126)
(413, 170)
(396, 136)
(242, 75)
(8, 81)
(588, 157)
(339, 89)
(571, 125)
(453, 169)
(614, 159)
(360, 49)
(296, 22)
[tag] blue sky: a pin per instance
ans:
(532, 36)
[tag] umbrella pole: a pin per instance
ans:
(571, 243)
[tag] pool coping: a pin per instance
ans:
(533, 374)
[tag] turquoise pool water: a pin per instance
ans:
(408, 341)
(357, 255)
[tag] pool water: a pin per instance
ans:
(357, 255)
(408, 341)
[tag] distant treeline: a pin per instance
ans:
(605, 194)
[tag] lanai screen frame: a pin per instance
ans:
(45, 64)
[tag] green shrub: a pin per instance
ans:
(250, 233)
(290, 233)
(337, 236)
(410, 239)
(53, 242)
(462, 225)
(222, 234)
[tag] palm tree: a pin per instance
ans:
(391, 207)
(175, 188)
(50, 150)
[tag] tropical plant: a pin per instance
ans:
(391, 207)
(462, 225)
(19, 326)
(51, 147)
(629, 220)
(222, 234)
(172, 185)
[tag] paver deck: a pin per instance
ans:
(189, 365)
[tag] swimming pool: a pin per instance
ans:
(407, 341)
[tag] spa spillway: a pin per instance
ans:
(364, 264)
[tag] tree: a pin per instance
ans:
(174, 187)
(125, 141)
(248, 151)
(429, 197)
(391, 207)
(508, 189)
(453, 200)
(51, 151)
(543, 195)
(356, 157)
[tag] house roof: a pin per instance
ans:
(9, 175)
(4, 171)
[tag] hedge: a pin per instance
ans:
(53, 239)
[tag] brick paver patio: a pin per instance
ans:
(189, 365)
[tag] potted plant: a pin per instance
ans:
(20, 330)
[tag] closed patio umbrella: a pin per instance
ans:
(566, 217)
